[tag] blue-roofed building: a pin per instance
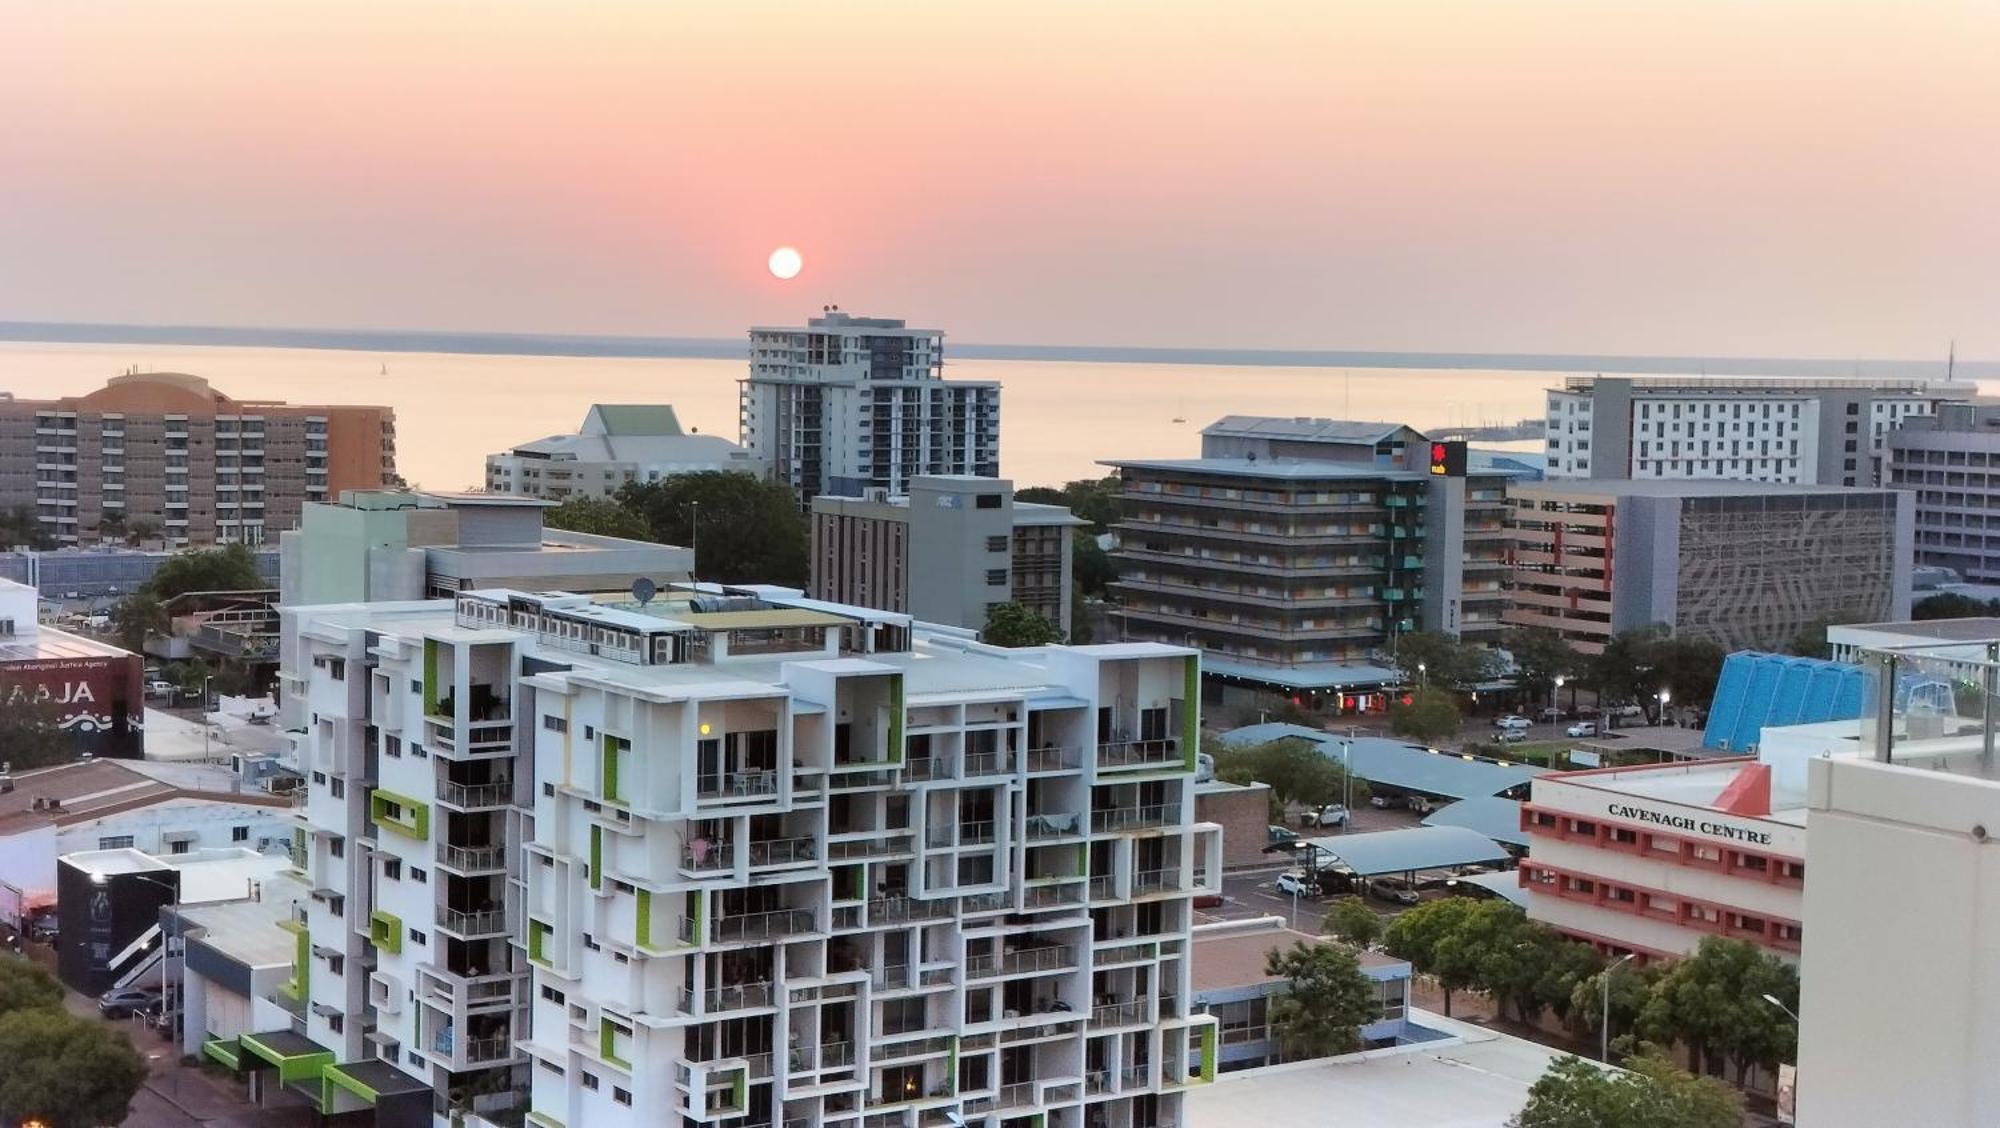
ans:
(1490, 815)
(1400, 768)
(1756, 690)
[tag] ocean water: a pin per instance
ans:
(1058, 417)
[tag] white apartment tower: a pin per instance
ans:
(1810, 432)
(737, 857)
(850, 403)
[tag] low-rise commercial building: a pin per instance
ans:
(1231, 985)
(92, 691)
(1741, 564)
(1294, 552)
(109, 902)
(617, 444)
(1652, 859)
(950, 550)
(100, 572)
(397, 545)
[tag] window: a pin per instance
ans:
(336, 964)
(416, 686)
(419, 876)
(337, 846)
(239, 834)
(419, 939)
(552, 995)
(987, 501)
(996, 577)
(338, 787)
(996, 544)
(417, 751)
(335, 1023)
(554, 723)
(179, 846)
(620, 1095)
(392, 746)
(552, 1067)
(392, 868)
(115, 842)
(590, 1081)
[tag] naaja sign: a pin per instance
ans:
(1691, 824)
(96, 700)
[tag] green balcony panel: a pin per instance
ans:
(386, 931)
(399, 814)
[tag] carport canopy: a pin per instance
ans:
(1490, 815)
(1407, 851)
(1398, 766)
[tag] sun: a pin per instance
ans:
(785, 262)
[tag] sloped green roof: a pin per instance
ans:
(636, 418)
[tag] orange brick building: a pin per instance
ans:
(163, 449)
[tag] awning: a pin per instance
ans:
(1490, 815)
(224, 1050)
(1506, 883)
(1406, 851)
(372, 1084)
(296, 1058)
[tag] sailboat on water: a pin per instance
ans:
(1180, 412)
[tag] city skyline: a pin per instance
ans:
(1788, 180)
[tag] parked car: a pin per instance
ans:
(1512, 721)
(1386, 802)
(1293, 883)
(1627, 711)
(1333, 814)
(1510, 736)
(160, 689)
(1422, 804)
(1393, 889)
(1279, 835)
(1582, 728)
(1551, 715)
(125, 1001)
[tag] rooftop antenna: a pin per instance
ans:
(644, 590)
(1951, 360)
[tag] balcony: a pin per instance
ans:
(1021, 961)
(486, 922)
(471, 859)
(1054, 759)
(888, 909)
(1049, 896)
(1156, 880)
(1132, 1013)
(728, 997)
(776, 924)
(703, 856)
(978, 833)
(1135, 818)
(988, 764)
(784, 852)
(1139, 753)
(748, 784)
(1042, 827)
(474, 796)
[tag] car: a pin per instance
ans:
(1627, 710)
(1281, 835)
(1510, 736)
(1385, 802)
(160, 689)
(1208, 901)
(1551, 715)
(1512, 721)
(1393, 889)
(1582, 728)
(1292, 883)
(127, 1001)
(1422, 804)
(1333, 814)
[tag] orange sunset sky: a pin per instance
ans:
(1766, 178)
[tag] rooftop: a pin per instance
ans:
(1232, 954)
(1303, 428)
(1473, 1078)
(1300, 469)
(1490, 815)
(93, 789)
(1672, 487)
(1395, 764)
(245, 930)
(1408, 851)
(44, 642)
(1940, 630)
(206, 875)
(1698, 784)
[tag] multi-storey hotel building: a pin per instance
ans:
(846, 404)
(738, 857)
(164, 450)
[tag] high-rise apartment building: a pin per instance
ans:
(739, 857)
(1295, 551)
(847, 404)
(946, 553)
(164, 449)
(1741, 564)
(1825, 432)
(618, 444)
(1951, 461)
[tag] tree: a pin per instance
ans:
(137, 616)
(751, 530)
(64, 1071)
(1630, 988)
(1950, 605)
(20, 526)
(1650, 1093)
(1352, 920)
(1638, 663)
(1012, 625)
(1446, 662)
(1713, 1001)
(1541, 655)
(599, 516)
(30, 737)
(1418, 935)
(229, 567)
(1430, 716)
(24, 985)
(1327, 1002)
(1297, 771)
(1095, 500)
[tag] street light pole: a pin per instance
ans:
(1423, 678)
(1555, 695)
(1664, 697)
(204, 714)
(1347, 783)
(694, 541)
(1604, 1031)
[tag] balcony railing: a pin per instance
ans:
(903, 908)
(464, 923)
(489, 1049)
(1137, 753)
(728, 997)
(708, 858)
(964, 834)
(1119, 1014)
(783, 851)
(1102, 888)
(1048, 957)
(1052, 825)
(1156, 880)
(989, 763)
(1054, 759)
(736, 785)
(1021, 1094)
(925, 767)
(1135, 818)
(988, 902)
(764, 926)
(472, 857)
(1042, 896)
(474, 794)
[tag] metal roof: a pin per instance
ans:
(1399, 766)
(1407, 851)
(1310, 675)
(1506, 883)
(1490, 815)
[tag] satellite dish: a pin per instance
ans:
(644, 590)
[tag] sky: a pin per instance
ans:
(1702, 177)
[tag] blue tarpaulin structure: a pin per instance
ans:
(1757, 689)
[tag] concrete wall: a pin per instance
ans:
(1901, 981)
(1244, 814)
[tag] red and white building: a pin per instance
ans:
(1651, 859)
